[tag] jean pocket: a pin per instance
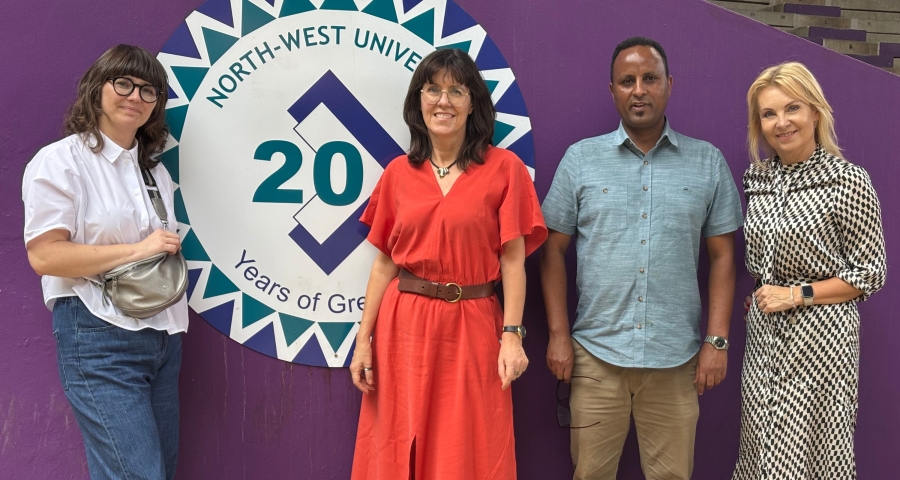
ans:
(87, 322)
(59, 363)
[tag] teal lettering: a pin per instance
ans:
(219, 96)
(307, 35)
(322, 173)
(259, 53)
(246, 57)
(376, 42)
(398, 54)
(237, 69)
(291, 41)
(413, 58)
(356, 39)
(222, 83)
(324, 35)
(337, 33)
(270, 191)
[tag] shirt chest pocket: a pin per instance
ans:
(603, 209)
(684, 207)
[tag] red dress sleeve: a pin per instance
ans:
(520, 212)
(381, 213)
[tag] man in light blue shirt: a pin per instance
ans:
(639, 201)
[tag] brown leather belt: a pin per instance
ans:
(450, 292)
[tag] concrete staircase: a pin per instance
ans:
(868, 30)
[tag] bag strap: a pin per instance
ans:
(155, 197)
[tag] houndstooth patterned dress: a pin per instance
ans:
(808, 221)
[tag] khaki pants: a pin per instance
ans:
(663, 402)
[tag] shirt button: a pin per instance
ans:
(640, 299)
(128, 162)
(137, 192)
(643, 242)
(639, 326)
(642, 270)
(144, 224)
(645, 188)
(644, 215)
(605, 190)
(646, 162)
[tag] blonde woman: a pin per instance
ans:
(815, 246)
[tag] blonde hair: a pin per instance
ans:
(798, 82)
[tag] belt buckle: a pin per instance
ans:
(458, 296)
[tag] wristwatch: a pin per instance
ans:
(517, 329)
(721, 343)
(806, 291)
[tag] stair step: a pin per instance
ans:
(872, 5)
(888, 16)
(836, 33)
(779, 19)
(875, 60)
(882, 37)
(820, 10)
(875, 26)
(850, 47)
(742, 5)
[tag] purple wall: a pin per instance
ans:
(250, 416)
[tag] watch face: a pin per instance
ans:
(806, 291)
(719, 343)
(522, 331)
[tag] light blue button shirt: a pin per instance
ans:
(638, 221)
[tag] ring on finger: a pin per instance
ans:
(367, 369)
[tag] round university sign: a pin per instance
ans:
(283, 114)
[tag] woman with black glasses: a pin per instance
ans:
(87, 211)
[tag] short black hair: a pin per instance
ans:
(638, 42)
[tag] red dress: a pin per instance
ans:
(435, 362)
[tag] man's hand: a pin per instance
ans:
(711, 367)
(560, 356)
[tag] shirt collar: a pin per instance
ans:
(621, 135)
(112, 151)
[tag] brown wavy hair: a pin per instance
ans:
(122, 60)
(479, 124)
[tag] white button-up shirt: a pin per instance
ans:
(100, 199)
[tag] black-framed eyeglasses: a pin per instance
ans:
(432, 95)
(563, 413)
(124, 86)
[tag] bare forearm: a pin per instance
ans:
(720, 249)
(384, 270)
(554, 284)
(512, 271)
(73, 260)
(827, 292)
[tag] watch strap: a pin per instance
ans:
(517, 329)
(715, 341)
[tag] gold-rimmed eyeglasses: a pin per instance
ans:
(124, 86)
(455, 95)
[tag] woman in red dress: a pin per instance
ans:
(435, 352)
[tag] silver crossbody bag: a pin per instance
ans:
(146, 287)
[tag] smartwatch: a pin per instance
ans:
(721, 343)
(517, 329)
(806, 291)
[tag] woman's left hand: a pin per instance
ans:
(512, 361)
(771, 299)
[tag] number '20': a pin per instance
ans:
(270, 191)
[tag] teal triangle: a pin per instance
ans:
(254, 17)
(348, 5)
(253, 310)
(422, 26)
(175, 117)
(293, 7)
(217, 43)
(492, 85)
(336, 332)
(293, 327)
(464, 46)
(189, 78)
(192, 249)
(180, 212)
(501, 130)
(382, 9)
(169, 159)
(218, 283)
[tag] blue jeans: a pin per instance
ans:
(123, 388)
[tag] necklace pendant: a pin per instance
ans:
(443, 172)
